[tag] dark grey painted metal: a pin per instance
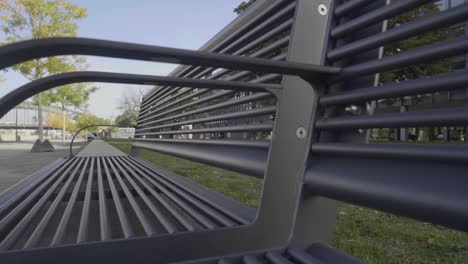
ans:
(208, 108)
(181, 202)
(348, 6)
(422, 54)
(104, 225)
(259, 12)
(249, 113)
(146, 112)
(212, 209)
(247, 260)
(243, 128)
(257, 235)
(171, 209)
(428, 152)
(191, 95)
(449, 81)
(18, 52)
(20, 227)
(270, 217)
(38, 232)
(234, 142)
(301, 256)
(122, 214)
(19, 209)
(159, 104)
(372, 17)
(22, 93)
(276, 258)
(144, 221)
(247, 160)
(65, 220)
(317, 253)
(272, 33)
(271, 22)
(156, 100)
(218, 241)
(146, 116)
(217, 218)
(414, 187)
(432, 117)
(85, 213)
(434, 191)
(236, 210)
(417, 27)
(315, 216)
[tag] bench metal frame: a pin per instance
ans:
(300, 167)
(285, 166)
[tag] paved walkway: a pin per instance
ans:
(18, 162)
(99, 148)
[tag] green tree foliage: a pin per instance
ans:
(243, 6)
(424, 70)
(127, 119)
(87, 119)
(35, 19)
(421, 70)
(67, 97)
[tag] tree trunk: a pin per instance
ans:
(430, 134)
(446, 132)
(63, 126)
(40, 129)
(465, 134)
(16, 125)
(404, 130)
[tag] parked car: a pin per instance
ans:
(90, 137)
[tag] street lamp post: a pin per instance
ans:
(16, 124)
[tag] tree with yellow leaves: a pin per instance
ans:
(35, 19)
(56, 120)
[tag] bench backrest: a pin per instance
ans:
(219, 122)
(340, 118)
(419, 65)
(257, 133)
(315, 135)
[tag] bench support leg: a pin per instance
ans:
(135, 152)
(296, 216)
(315, 220)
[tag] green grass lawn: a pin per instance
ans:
(371, 235)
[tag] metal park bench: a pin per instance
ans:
(279, 94)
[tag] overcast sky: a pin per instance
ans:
(177, 23)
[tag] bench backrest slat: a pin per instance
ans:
(212, 120)
(392, 88)
(401, 62)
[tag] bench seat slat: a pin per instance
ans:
(134, 198)
(316, 253)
